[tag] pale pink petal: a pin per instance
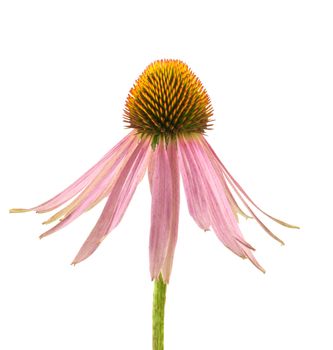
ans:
(196, 199)
(151, 168)
(221, 215)
(98, 187)
(234, 205)
(84, 180)
(130, 175)
(220, 168)
(255, 217)
(174, 219)
(209, 189)
(238, 186)
(165, 209)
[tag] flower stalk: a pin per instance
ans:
(159, 297)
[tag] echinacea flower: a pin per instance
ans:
(169, 111)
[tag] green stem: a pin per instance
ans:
(158, 313)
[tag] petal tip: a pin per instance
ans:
(43, 235)
(288, 225)
(259, 267)
(18, 210)
(46, 222)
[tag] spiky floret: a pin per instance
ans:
(167, 100)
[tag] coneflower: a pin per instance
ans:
(169, 111)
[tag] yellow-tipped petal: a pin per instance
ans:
(49, 221)
(19, 210)
(61, 213)
(285, 224)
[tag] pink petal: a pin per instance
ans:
(151, 168)
(97, 188)
(164, 179)
(255, 217)
(234, 205)
(86, 178)
(173, 158)
(196, 200)
(230, 179)
(221, 215)
(121, 193)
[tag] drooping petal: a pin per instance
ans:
(151, 168)
(77, 186)
(266, 229)
(173, 158)
(234, 205)
(98, 187)
(230, 179)
(122, 191)
(196, 199)
(164, 180)
(221, 169)
(222, 218)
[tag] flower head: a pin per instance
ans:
(168, 100)
(169, 111)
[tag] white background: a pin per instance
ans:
(66, 68)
